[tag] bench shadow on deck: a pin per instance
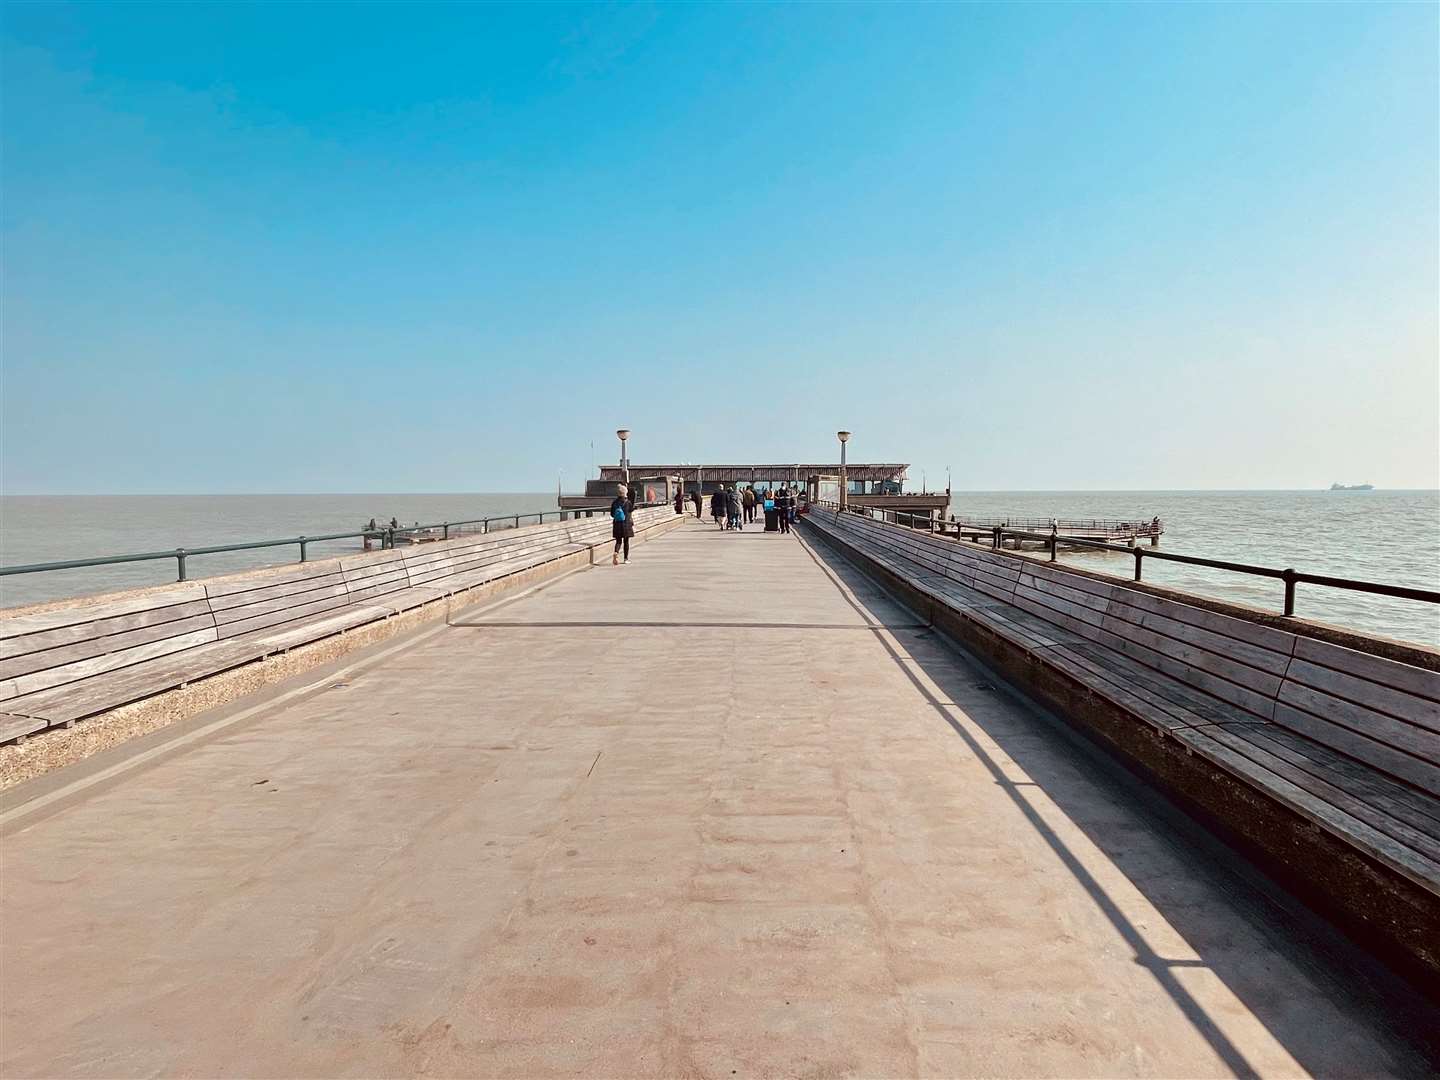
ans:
(1344, 969)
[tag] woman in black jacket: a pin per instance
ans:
(622, 528)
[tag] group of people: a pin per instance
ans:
(734, 507)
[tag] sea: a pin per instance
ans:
(1391, 537)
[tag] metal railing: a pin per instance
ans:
(1114, 526)
(386, 535)
(1053, 541)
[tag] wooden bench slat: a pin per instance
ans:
(1044, 603)
(14, 727)
(35, 622)
(75, 701)
(1379, 845)
(290, 601)
(1267, 637)
(1395, 796)
(24, 644)
(1194, 708)
(1352, 692)
(1409, 678)
(98, 665)
(1262, 659)
(241, 627)
(1386, 758)
(275, 581)
(1379, 726)
(279, 592)
(1425, 846)
(45, 659)
(1191, 662)
(289, 636)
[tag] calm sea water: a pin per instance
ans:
(1392, 537)
(1384, 536)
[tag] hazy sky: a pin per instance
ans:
(386, 248)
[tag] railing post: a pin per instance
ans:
(180, 558)
(517, 521)
(302, 549)
(485, 527)
(446, 534)
(1289, 578)
(1054, 541)
(995, 537)
(1138, 553)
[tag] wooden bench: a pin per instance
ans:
(1345, 741)
(92, 655)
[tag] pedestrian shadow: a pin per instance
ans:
(1087, 784)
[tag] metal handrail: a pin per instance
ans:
(1142, 526)
(1053, 540)
(386, 535)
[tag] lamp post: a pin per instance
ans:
(624, 434)
(844, 437)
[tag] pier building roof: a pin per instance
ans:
(854, 470)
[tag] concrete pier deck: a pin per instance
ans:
(723, 812)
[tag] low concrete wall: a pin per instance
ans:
(62, 746)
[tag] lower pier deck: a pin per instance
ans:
(726, 811)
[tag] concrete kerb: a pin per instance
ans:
(59, 747)
(1386, 910)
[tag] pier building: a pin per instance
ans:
(880, 486)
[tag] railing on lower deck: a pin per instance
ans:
(385, 535)
(1109, 526)
(1052, 541)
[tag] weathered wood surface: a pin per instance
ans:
(85, 657)
(1348, 740)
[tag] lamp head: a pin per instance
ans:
(843, 436)
(624, 434)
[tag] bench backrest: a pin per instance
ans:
(49, 648)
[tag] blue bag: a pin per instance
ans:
(619, 514)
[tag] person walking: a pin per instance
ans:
(717, 507)
(733, 503)
(698, 501)
(679, 501)
(622, 523)
(782, 504)
(749, 503)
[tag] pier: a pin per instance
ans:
(730, 810)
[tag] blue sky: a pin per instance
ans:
(445, 248)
